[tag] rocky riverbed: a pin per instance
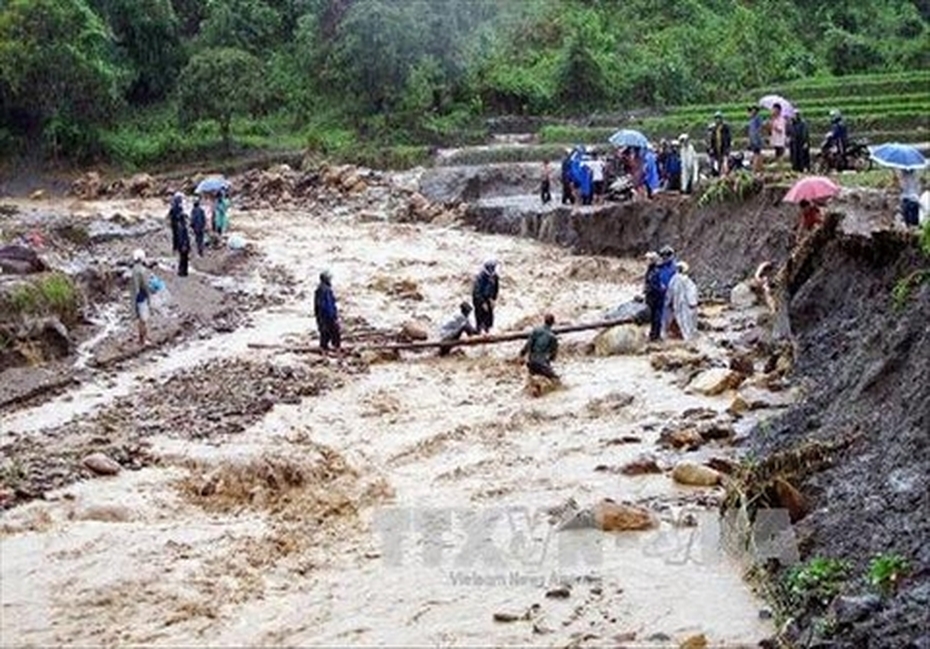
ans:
(229, 486)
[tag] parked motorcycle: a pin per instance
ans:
(857, 158)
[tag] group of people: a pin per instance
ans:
(671, 295)
(586, 174)
(180, 235)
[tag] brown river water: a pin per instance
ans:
(445, 471)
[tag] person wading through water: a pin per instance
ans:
(541, 349)
(456, 328)
(326, 313)
(484, 295)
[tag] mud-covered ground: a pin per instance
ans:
(92, 242)
(266, 496)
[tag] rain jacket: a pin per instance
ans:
(324, 304)
(666, 271)
(838, 137)
(755, 131)
(542, 345)
(175, 218)
(651, 170)
(689, 166)
(198, 219)
(486, 287)
(681, 301)
(221, 214)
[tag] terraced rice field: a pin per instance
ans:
(877, 107)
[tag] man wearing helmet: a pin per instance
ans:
(837, 139)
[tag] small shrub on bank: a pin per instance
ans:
(49, 295)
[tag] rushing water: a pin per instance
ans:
(453, 437)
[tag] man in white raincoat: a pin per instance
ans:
(681, 301)
(689, 164)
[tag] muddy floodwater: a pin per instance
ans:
(420, 511)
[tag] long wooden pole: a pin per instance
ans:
(462, 342)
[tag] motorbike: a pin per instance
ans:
(857, 158)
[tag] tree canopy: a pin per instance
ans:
(69, 67)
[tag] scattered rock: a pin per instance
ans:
(715, 430)
(743, 363)
(714, 381)
(699, 413)
(101, 464)
(623, 339)
(689, 473)
(626, 439)
(757, 398)
(413, 331)
(676, 359)
(37, 195)
(742, 296)
(694, 642)
(849, 609)
(682, 438)
(503, 616)
(562, 592)
(641, 466)
(615, 517)
(738, 406)
(20, 260)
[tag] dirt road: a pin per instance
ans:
(405, 503)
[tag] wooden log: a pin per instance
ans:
(491, 340)
(435, 344)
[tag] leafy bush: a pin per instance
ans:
(819, 579)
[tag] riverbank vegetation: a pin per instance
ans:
(135, 82)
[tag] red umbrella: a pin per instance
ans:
(812, 188)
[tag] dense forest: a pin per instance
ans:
(137, 81)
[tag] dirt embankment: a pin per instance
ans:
(866, 365)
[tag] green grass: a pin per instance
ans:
(52, 294)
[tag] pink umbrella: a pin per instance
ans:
(787, 109)
(812, 188)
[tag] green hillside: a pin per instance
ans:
(141, 82)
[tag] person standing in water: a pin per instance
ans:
(541, 349)
(484, 296)
(326, 313)
(140, 294)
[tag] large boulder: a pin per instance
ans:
(20, 260)
(696, 475)
(101, 464)
(743, 297)
(622, 339)
(633, 311)
(714, 381)
(141, 185)
(618, 517)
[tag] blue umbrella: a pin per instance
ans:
(212, 185)
(898, 156)
(628, 137)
